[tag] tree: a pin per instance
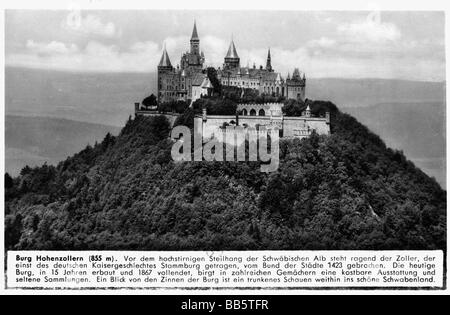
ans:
(293, 108)
(221, 107)
(13, 230)
(150, 101)
(159, 127)
(212, 76)
(8, 181)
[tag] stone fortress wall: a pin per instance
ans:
(253, 116)
(267, 115)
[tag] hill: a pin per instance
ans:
(343, 191)
(35, 140)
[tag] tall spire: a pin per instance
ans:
(195, 41)
(269, 61)
(194, 32)
(165, 60)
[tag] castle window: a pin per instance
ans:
(252, 112)
(244, 112)
(262, 112)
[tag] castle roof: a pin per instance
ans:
(269, 76)
(194, 32)
(165, 60)
(232, 53)
(206, 84)
(278, 77)
(197, 79)
(252, 73)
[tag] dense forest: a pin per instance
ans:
(342, 191)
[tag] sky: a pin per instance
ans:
(340, 44)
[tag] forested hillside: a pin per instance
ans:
(343, 191)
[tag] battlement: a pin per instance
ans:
(269, 116)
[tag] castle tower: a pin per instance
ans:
(232, 59)
(295, 86)
(195, 41)
(165, 73)
(269, 62)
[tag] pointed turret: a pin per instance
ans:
(194, 32)
(269, 62)
(195, 41)
(164, 63)
(308, 111)
(232, 53)
(232, 59)
(278, 79)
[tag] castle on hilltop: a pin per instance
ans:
(187, 81)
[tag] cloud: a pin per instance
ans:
(90, 25)
(53, 47)
(323, 42)
(322, 57)
(215, 49)
(94, 56)
(371, 29)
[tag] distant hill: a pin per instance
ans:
(109, 97)
(343, 191)
(367, 92)
(407, 115)
(416, 128)
(101, 98)
(35, 140)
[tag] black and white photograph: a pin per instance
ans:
(224, 148)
